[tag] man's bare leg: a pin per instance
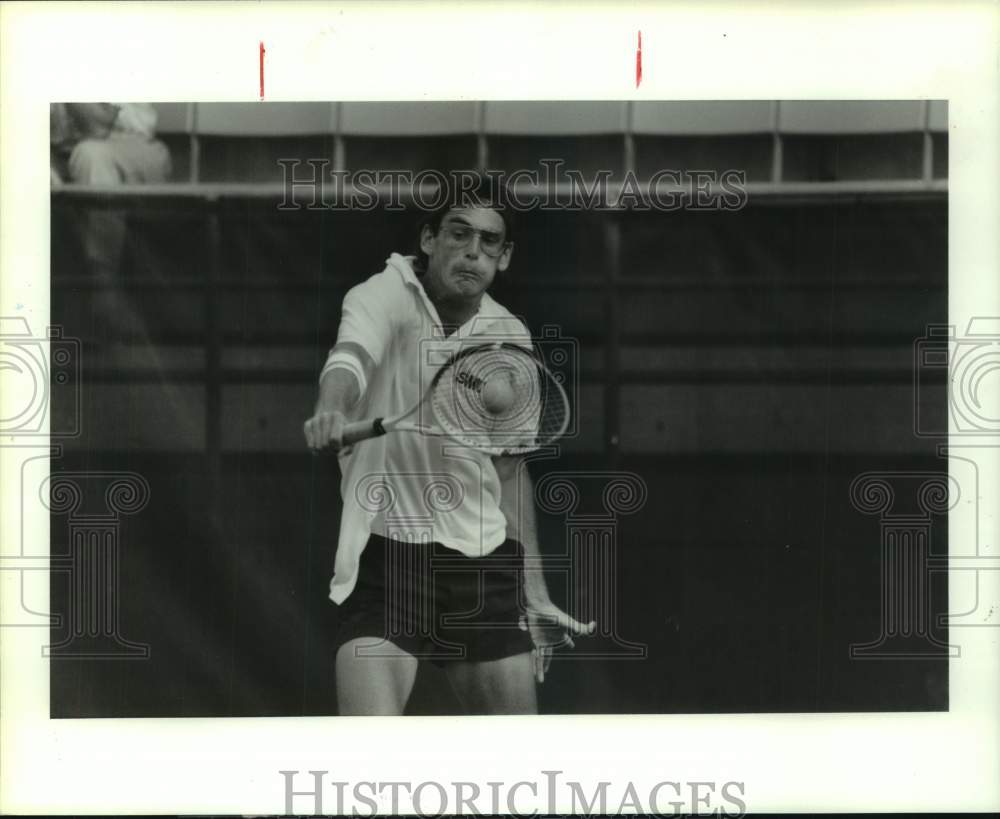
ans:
(374, 685)
(505, 686)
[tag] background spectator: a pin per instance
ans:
(102, 144)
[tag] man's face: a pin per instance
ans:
(460, 264)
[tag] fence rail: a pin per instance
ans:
(341, 124)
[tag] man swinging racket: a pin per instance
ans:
(438, 555)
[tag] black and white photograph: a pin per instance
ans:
(645, 410)
(646, 366)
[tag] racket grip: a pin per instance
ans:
(362, 431)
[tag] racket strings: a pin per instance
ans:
(500, 399)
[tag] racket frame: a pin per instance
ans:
(366, 430)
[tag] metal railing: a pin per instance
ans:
(923, 124)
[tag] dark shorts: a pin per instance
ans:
(436, 603)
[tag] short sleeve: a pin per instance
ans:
(370, 312)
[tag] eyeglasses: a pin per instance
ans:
(458, 236)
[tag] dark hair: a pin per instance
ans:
(468, 190)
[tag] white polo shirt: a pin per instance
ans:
(406, 485)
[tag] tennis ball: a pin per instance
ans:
(498, 395)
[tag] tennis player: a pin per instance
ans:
(438, 556)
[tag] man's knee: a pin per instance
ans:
(92, 162)
(503, 686)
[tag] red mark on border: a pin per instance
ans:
(638, 63)
(262, 69)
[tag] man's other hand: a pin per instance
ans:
(551, 628)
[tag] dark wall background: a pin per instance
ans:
(746, 407)
(750, 363)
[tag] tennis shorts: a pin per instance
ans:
(436, 603)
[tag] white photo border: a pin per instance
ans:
(736, 50)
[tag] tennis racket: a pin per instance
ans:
(497, 398)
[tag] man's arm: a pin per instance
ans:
(549, 625)
(517, 502)
(340, 388)
(368, 315)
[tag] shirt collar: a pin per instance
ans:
(481, 323)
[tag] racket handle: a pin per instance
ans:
(362, 431)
